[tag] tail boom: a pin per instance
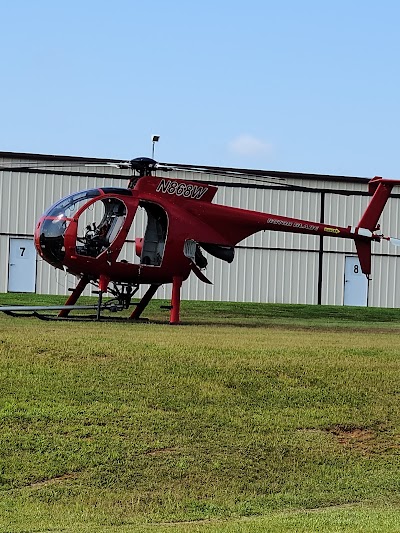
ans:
(235, 224)
(362, 234)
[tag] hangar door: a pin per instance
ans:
(22, 266)
(355, 283)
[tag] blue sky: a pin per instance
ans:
(302, 86)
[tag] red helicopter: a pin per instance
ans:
(182, 222)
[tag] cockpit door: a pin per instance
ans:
(99, 225)
(152, 246)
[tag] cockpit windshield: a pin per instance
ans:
(67, 206)
(56, 221)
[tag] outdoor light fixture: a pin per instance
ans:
(154, 140)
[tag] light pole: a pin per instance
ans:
(154, 140)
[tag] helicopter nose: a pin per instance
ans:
(49, 240)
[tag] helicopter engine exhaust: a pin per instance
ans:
(226, 253)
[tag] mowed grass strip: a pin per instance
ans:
(240, 426)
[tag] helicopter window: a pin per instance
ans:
(99, 225)
(155, 234)
(52, 239)
(116, 190)
(67, 206)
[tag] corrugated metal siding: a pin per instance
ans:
(385, 284)
(4, 251)
(333, 279)
(277, 276)
(268, 267)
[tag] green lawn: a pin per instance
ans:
(245, 418)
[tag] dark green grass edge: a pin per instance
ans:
(236, 313)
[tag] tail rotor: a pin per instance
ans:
(392, 240)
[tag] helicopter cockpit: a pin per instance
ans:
(98, 236)
(55, 223)
(97, 225)
(85, 225)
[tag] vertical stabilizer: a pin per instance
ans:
(381, 190)
(364, 255)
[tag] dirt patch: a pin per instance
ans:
(356, 436)
(53, 481)
(362, 439)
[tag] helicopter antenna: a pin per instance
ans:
(154, 140)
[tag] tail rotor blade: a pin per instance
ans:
(395, 242)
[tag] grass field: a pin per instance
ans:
(258, 418)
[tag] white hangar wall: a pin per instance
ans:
(268, 266)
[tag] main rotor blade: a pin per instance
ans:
(230, 177)
(122, 164)
(245, 174)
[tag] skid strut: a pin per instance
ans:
(74, 296)
(141, 306)
(175, 300)
(103, 286)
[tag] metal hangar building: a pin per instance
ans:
(270, 266)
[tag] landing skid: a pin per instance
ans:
(120, 302)
(35, 310)
(16, 308)
(87, 318)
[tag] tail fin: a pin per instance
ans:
(364, 255)
(381, 189)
